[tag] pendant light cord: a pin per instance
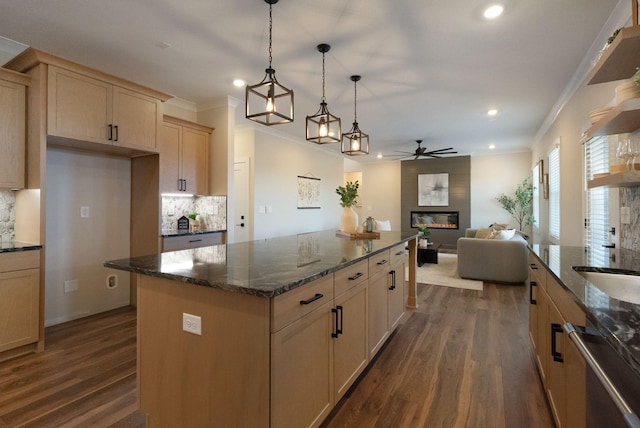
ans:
(270, 29)
(355, 101)
(323, 98)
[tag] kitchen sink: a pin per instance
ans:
(618, 285)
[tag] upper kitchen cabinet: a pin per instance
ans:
(92, 110)
(12, 129)
(184, 156)
(86, 109)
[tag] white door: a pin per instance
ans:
(242, 223)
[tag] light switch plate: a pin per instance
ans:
(625, 215)
(84, 212)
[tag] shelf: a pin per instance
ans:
(620, 59)
(620, 179)
(623, 118)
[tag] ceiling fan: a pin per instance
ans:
(423, 152)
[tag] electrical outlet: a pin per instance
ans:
(112, 281)
(192, 324)
(84, 212)
(70, 286)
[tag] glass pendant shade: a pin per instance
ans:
(355, 142)
(323, 127)
(269, 102)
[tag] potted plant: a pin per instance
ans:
(194, 223)
(423, 240)
(519, 206)
(348, 197)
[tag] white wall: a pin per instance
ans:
(491, 176)
(278, 163)
(77, 247)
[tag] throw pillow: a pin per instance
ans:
(484, 233)
(507, 234)
(499, 226)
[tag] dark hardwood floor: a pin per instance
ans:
(462, 359)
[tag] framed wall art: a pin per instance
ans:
(308, 192)
(433, 190)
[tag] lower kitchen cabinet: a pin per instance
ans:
(562, 369)
(397, 286)
(19, 299)
(186, 242)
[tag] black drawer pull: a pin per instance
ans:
(531, 299)
(195, 240)
(533, 266)
(382, 262)
(339, 329)
(356, 276)
(335, 312)
(110, 132)
(393, 280)
(116, 129)
(399, 253)
(557, 356)
(311, 299)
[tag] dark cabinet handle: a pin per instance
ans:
(399, 253)
(382, 262)
(356, 276)
(531, 299)
(393, 279)
(334, 311)
(184, 185)
(311, 299)
(110, 132)
(179, 184)
(339, 329)
(533, 266)
(557, 356)
(116, 129)
(195, 240)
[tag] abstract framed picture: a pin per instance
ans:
(308, 192)
(433, 190)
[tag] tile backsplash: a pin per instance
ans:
(630, 234)
(7, 216)
(212, 211)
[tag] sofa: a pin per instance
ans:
(493, 260)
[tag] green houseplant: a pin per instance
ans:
(348, 197)
(519, 205)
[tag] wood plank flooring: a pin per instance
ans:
(462, 359)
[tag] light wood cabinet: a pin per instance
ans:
(397, 287)
(19, 299)
(83, 108)
(184, 157)
(562, 368)
(12, 129)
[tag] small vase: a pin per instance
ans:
(349, 220)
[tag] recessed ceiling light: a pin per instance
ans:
(492, 146)
(379, 155)
(493, 11)
(239, 83)
(492, 112)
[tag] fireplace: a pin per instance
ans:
(435, 219)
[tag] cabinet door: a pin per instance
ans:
(533, 313)
(19, 308)
(195, 161)
(575, 370)
(79, 107)
(350, 347)
(378, 311)
(557, 379)
(136, 120)
(397, 298)
(542, 350)
(12, 135)
(301, 370)
(169, 149)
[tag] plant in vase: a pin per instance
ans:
(519, 206)
(348, 197)
(194, 223)
(423, 239)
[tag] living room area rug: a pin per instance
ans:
(445, 274)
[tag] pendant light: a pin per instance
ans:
(323, 127)
(355, 142)
(268, 102)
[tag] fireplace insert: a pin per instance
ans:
(435, 219)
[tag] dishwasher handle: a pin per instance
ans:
(630, 418)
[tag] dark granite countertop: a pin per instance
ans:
(12, 246)
(170, 233)
(618, 321)
(265, 268)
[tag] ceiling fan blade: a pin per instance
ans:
(441, 150)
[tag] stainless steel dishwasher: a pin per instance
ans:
(612, 387)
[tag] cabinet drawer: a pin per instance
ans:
(351, 276)
(19, 260)
(185, 242)
(290, 306)
(379, 262)
(569, 309)
(398, 254)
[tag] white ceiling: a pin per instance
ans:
(430, 69)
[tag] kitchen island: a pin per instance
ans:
(265, 333)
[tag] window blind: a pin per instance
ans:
(597, 225)
(554, 193)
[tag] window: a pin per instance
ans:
(536, 175)
(597, 223)
(554, 193)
